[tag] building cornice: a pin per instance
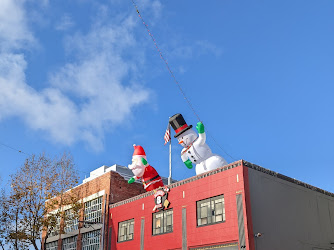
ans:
(179, 183)
(225, 168)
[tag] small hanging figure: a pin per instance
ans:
(195, 149)
(142, 170)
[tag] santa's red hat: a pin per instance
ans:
(139, 151)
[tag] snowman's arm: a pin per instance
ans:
(185, 159)
(201, 133)
(188, 164)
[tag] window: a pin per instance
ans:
(55, 230)
(51, 245)
(71, 222)
(93, 210)
(70, 243)
(91, 240)
(163, 222)
(210, 211)
(125, 230)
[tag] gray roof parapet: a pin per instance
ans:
(286, 178)
(179, 183)
(224, 168)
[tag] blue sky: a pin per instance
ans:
(84, 77)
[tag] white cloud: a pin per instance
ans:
(86, 97)
(65, 23)
(196, 49)
(154, 7)
(206, 47)
(94, 92)
(14, 31)
(48, 110)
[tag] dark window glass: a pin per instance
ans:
(125, 230)
(210, 211)
(163, 222)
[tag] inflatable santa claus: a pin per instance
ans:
(142, 170)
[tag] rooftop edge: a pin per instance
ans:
(224, 168)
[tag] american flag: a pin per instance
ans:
(167, 134)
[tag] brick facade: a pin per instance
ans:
(114, 188)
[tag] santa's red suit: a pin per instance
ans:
(151, 179)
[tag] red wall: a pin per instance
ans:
(224, 182)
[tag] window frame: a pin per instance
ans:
(164, 214)
(128, 224)
(93, 210)
(56, 230)
(211, 213)
(53, 245)
(72, 222)
(91, 239)
(70, 241)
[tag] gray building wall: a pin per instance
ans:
(289, 216)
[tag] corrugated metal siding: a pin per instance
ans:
(109, 238)
(184, 228)
(241, 224)
(142, 228)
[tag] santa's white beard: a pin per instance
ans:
(137, 170)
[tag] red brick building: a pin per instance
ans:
(105, 185)
(238, 206)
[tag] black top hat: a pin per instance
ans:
(179, 124)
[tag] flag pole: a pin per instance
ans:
(170, 161)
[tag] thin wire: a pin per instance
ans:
(222, 148)
(173, 76)
(17, 150)
(162, 57)
(22, 152)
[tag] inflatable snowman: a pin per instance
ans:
(142, 170)
(195, 149)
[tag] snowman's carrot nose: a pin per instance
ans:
(180, 142)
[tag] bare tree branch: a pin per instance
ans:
(39, 190)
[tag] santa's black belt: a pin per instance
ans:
(152, 179)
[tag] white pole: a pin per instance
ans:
(170, 160)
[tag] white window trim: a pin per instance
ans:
(94, 196)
